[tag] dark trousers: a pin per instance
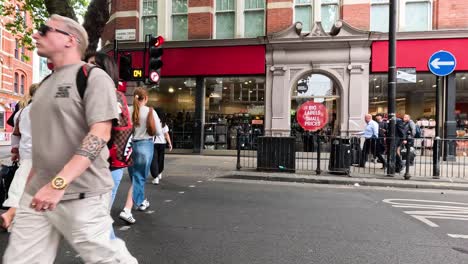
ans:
(380, 150)
(157, 164)
(369, 147)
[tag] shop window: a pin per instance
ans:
(15, 85)
(461, 106)
(330, 12)
(22, 84)
(16, 49)
(225, 19)
(179, 20)
(176, 97)
(320, 89)
(2, 118)
(254, 18)
(379, 15)
(418, 15)
(232, 104)
(150, 17)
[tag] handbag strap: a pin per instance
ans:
(17, 132)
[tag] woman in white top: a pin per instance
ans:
(146, 125)
(21, 151)
(160, 142)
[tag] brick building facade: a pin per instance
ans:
(15, 71)
(225, 59)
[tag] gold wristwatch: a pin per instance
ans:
(59, 183)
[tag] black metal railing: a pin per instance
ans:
(353, 156)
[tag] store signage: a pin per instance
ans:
(442, 63)
(125, 34)
(302, 87)
(406, 75)
(312, 116)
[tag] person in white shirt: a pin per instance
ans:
(21, 152)
(160, 142)
(146, 125)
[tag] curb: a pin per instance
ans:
(410, 184)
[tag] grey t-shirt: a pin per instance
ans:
(60, 119)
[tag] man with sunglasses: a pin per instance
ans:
(69, 186)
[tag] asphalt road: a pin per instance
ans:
(196, 219)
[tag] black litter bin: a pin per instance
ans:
(355, 150)
(276, 154)
(340, 156)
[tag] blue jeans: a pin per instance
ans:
(142, 156)
(117, 177)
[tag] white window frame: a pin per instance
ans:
(316, 12)
(379, 2)
(264, 9)
(169, 10)
(141, 30)
(402, 11)
(236, 17)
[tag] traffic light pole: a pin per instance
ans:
(392, 81)
(116, 50)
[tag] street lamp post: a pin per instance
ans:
(392, 81)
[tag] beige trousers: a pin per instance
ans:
(84, 223)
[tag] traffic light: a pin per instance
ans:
(125, 67)
(155, 53)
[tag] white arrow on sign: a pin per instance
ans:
(154, 76)
(436, 63)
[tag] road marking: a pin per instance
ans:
(167, 201)
(192, 186)
(181, 192)
(199, 181)
(432, 210)
(124, 228)
(458, 236)
(150, 212)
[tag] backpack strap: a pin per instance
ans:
(82, 78)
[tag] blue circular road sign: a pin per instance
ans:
(442, 63)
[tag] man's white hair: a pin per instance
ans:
(75, 29)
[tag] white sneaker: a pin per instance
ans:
(155, 181)
(128, 217)
(160, 176)
(144, 205)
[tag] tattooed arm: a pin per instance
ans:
(47, 197)
(90, 148)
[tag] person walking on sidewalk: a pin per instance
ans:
(147, 125)
(69, 187)
(380, 142)
(105, 62)
(21, 152)
(160, 143)
(370, 133)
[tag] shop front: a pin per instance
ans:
(419, 97)
(211, 93)
(332, 70)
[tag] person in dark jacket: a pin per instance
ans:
(380, 142)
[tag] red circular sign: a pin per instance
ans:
(154, 76)
(312, 116)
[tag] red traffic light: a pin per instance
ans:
(156, 41)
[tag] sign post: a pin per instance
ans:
(441, 64)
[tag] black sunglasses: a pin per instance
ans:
(43, 29)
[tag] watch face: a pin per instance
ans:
(59, 182)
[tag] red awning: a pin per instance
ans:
(208, 61)
(416, 53)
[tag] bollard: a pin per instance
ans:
(407, 163)
(436, 158)
(238, 166)
(318, 170)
